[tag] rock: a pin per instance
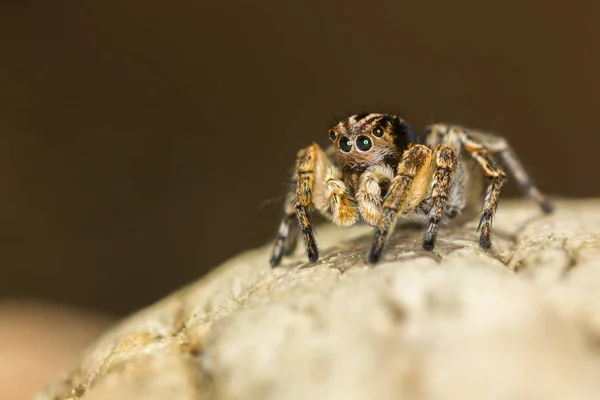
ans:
(519, 322)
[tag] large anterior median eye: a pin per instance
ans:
(363, 143)
(345, 144)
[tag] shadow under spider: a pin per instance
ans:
(405, 244)
(513, 236)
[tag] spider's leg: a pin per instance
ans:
(292, 240)
(508, 157)
(437, 135)
(493, 172)
(458, 197)
(310, 162)
(369, 194)
(490, 202)
(445, 164)
(285, 242)
(416, 161)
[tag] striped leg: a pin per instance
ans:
(496, 176)
(305, 175)
(443, 135)
(310, 163)
(458, 192)
(287, 234)
(489, 209)
(509, 159)
(445, 163)
(416, 158)
(480, 147)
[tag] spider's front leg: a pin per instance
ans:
(414, 168)
(298, 204)
(318, 184)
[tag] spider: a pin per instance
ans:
(378, 169)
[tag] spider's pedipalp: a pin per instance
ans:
(369, 196)
(338, 201)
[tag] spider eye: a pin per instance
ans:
(345, 144)
(332, 135)
(363, 143)
(378, 131)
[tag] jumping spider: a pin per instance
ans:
(379, 169)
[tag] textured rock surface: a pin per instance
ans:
(519, 322)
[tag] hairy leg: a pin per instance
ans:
(309, 164)
(477, 149)
(458, 194)
(507, 156)
(416, 158)
(496, 179)
(445, 164)
(287, 234)
(441, 135)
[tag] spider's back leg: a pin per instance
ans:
(507, 156)
(480, 153)
(287, 234)
(445, 166)
(464, 188)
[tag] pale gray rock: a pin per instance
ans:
(519, 322)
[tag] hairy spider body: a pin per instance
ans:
(379, 169)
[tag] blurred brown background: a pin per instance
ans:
(143, 142)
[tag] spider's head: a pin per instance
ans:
(367, 139)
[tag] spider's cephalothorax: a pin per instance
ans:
(378, 169)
